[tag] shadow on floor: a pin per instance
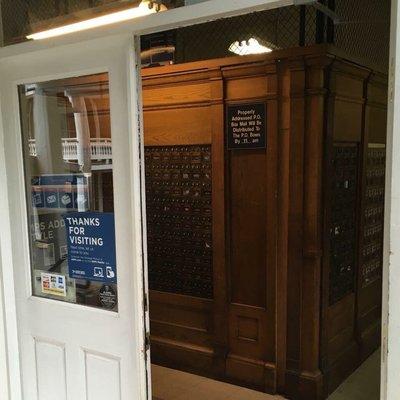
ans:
(170, 384)
(364, 384)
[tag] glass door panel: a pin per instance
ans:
(69, 185)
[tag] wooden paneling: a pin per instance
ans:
(369, 283)
(348, 120)
(180, 110)
(174, 95)
(248, 335)
(181, 318)
(248, 233)
(270, 323)
(351, 326)
(376, 123)
(343, 152)
(310, 379)
(250, 88)
(167, 127)
(252, 209)
(346, 83)
(341, 328)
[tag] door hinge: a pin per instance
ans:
(147, 342)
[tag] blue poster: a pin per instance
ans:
(91, 246)
(66, 192)
(37, 198)
(51, 199)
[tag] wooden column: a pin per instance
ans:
(283, 226)
(252, 234)
(315, 129)
(220, 304)
(303, 101)
(290, 194)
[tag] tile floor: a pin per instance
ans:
(169, 384)
(364, 384)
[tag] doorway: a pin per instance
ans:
(265, 268)
(308, 299)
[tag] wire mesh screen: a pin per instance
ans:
(361, 30)
(20, 15)
(274, 29)
(364, 29)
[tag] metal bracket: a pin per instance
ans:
(156, 3)
(320, 7)
(147, 341)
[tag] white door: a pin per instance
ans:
(69, 161)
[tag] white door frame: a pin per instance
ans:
(4, 393)
(77, 355)
(390, 382)
(10, 382)
(198, 13)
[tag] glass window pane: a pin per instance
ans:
(69, 184)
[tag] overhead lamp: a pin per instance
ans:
(246, 47)
(146, 7)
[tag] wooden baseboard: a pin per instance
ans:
(304, 386)
(203, 361)
(351, 358)
(251, 373)
(340, 369)
(370, 340)
(184, 357)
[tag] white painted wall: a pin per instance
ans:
(1, 27)
(4, 393)
(390, 387)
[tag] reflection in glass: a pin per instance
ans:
(69, 185)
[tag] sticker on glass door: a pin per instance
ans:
(69, 184)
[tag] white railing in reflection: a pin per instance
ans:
(100, 149)
(32, 148)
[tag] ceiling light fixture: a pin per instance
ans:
(146, 7)
(246, 47)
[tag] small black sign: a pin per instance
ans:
(246, 126)
(107, 297)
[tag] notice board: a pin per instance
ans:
(246, 126)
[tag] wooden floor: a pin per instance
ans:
(169, 384)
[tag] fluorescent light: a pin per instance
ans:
(246, 47)
(144, 8)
